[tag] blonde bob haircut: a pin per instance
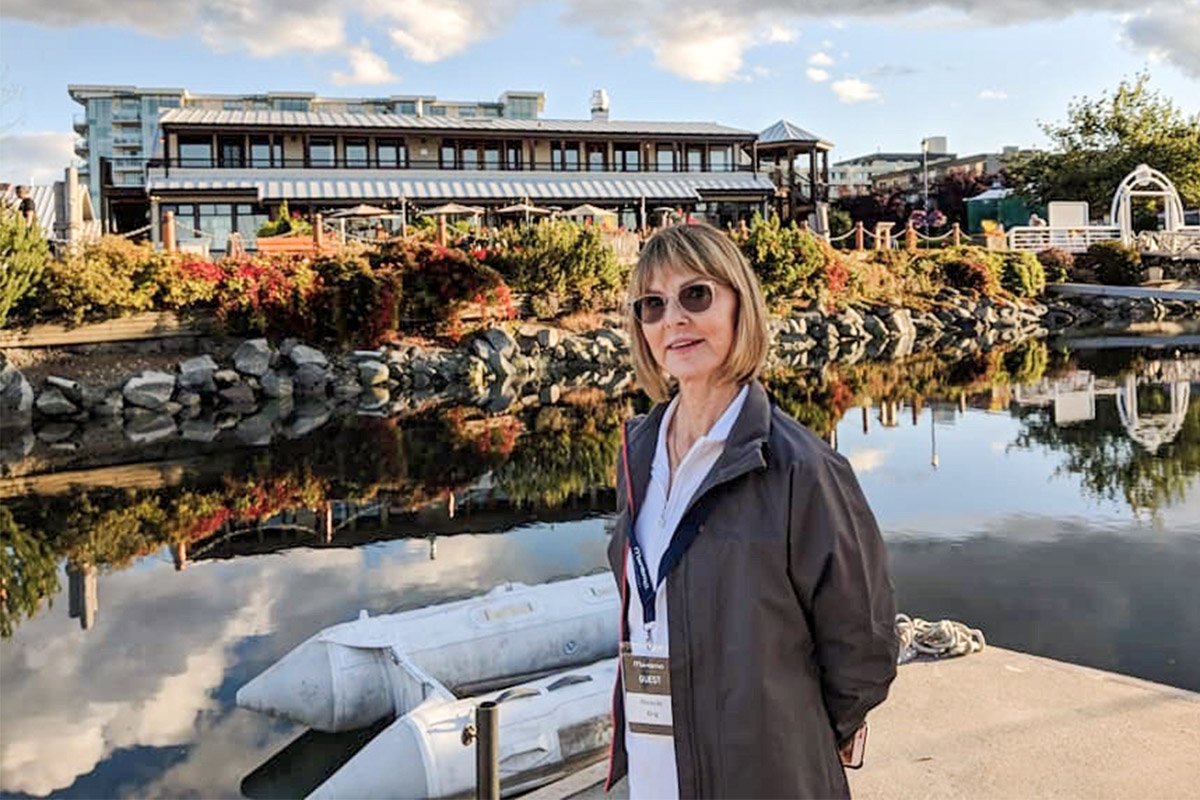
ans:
(707, 252)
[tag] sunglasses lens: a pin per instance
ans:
(649, 309)
(696, 298)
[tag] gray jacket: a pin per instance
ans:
(781, 613)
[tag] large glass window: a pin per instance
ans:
(216, 220)
(469, 156)
(321, 153)
(491, 155)
(449, 156)
(233, 151)
(564, 156)
(627, 157)
(391, 153)
(356, 152)
(597, 157)
(513, 161)
(695, 158)
(195, 151)
(719, 159)
(407, 107)
(664, 158)
(436, 111)
(291, 103)
(264, 152)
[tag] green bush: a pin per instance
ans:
(440, 282)
(285, 222)
(1115, 264)
(556, 259)
(1022, 274)
(104, 279)
(971, 268)
(356, 303)
(23, 257)
(1057, 263)
(789, 262)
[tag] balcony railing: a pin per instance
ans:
(80, 123)
(81, 148)
(427, 164)
(1073, 240)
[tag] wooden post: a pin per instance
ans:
(168, 233)
(858, 236)
(325, 522)
(910, 238)
(318, 232)
(179, 555)
(442, 230)
(957, 235)
(866, 419)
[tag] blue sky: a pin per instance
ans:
(865, 74)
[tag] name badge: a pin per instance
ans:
(647, 681)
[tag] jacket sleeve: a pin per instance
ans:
(839, 569)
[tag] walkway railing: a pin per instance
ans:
(1073, 240)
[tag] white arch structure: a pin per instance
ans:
(1121, 213)
(1152, 431)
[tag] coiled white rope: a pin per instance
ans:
(941, 639)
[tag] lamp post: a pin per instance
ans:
(925, 184)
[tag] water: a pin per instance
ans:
(1045, 522)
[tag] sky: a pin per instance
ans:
(867, 75)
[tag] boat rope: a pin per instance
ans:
(942, 639)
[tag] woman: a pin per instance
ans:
(757, 628)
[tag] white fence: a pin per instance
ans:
(1073, 240)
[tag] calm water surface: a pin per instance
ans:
(1062, 517)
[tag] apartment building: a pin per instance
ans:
(857, 176)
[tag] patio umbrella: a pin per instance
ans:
(453, 210)
(588, 210)
(524, 207)
(360, 210)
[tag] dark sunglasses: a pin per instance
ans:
(695, 298)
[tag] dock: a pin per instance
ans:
(1003, 724)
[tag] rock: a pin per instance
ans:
(69, 388)
(502, 396)
(500, 341)
(53, 403)
(16, 397)
(347, 387)
(16, 445)
(199, 430)
(367, 355)
(253, 357)
(875, 327)
(613, 340)
(310, 380)
(375, 399)
(111, 406)
(149, 427)
(372, 373)
(501, 367)
(187, 399)
(302, 355)
(226, 377)
(308, 418)
(550, 394)
(256, 430)
(55, 432)
(239, 394)
(197, 373)
(276, 385)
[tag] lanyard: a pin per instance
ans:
(681, 539)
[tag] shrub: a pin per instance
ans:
(23, 256)
(970, 274)
(285, 222)
(1115, 264)
(440, 282)
(556, 259)
(785, 258)
(107, 278)
(1057, 263)
(1022, 274)
(356, 303)
(185, 282)
(268, 296)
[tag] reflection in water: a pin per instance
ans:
(1050, 497)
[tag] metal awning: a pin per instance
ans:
(325, 186)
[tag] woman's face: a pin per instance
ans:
(691, 346)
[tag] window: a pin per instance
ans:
(491, 156)
(291, 103)
(356, 152)
(664, 160)
(391, 153)
(233, 151)
(449, 156)
(597, 157)
(466, 112)
(407, 107)
(469, 156)
(719, 159)
(437, 111)
(521, 108)
(695, 158)
(233, 105)
(564, 156)
(513, 161)
(265, 153)
(321, 153)
(195, 151)
(626, 157)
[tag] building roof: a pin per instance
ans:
(200, 117)
(784, 131)
(870, 157)
(440, 185)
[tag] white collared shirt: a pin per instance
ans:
(652, 769)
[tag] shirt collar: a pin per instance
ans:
(720, 429)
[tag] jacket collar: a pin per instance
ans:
(744, 449)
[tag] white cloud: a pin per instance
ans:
(821, 60)
(761, 72)
(366, 67)
(993, 94)
(1168, 33)
(431, 30)
(780, 34)
(853, 90)
(703, 48)
(37, 157)
(817, 75)
(868, 459)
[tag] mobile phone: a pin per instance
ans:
(858, 746)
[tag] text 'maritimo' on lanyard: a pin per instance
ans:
(685, 533)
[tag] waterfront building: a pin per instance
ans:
(856, 176)
(119, 131)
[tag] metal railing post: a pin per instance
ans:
(487, 751)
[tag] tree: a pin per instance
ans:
(23, 256)
(1104, 139)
